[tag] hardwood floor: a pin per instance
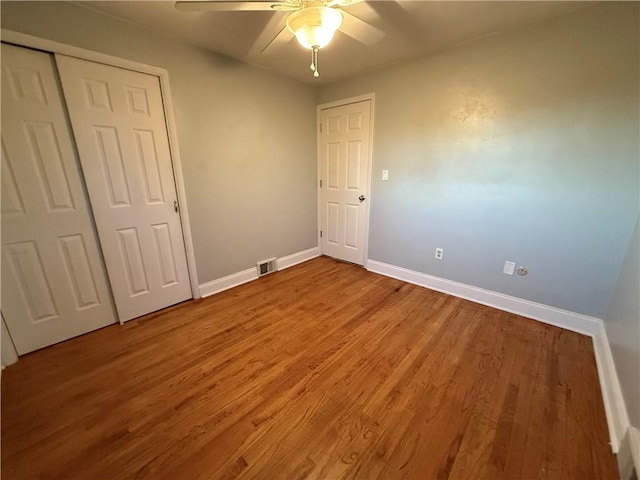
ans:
(323, 370)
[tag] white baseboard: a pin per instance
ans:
(554, 316)
(614, 406)
(225, 283)
(617, 419)
(221, 284)
(8, 352)
(629, 455)
(296, 258)
(634, 442)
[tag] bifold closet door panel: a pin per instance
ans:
(54, 285)
(119, 125)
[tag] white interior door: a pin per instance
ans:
(54, 286)
(119, 124)
(345, 165)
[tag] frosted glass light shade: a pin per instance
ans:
(314, 26)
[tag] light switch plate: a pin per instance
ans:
(385, 175)
(509, 268)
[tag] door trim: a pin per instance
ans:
(371, 97)
(38, 43)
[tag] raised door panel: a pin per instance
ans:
(354, 166)
(333, 223)
(97, 96)
(131, 258)
(115, 184)
(26, 271)
(25, 84)
(147, 156)
(12, 203)
(354, 121)
(43, 143)
(164, 251)
(352, 219)
(333, 166)
(79, 270)
(138, 101)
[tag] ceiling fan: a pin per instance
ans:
(312, 22)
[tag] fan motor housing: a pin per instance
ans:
(314, 26)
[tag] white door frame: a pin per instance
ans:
(340, 103)
(25, 40)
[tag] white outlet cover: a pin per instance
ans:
(509, 268)
(385, 175)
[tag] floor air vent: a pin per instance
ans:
(266, 266)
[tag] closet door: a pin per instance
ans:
(119, 125)
(54, 286)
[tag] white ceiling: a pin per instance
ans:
(413, 29)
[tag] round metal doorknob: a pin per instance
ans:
(361, 198)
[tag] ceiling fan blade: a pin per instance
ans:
(284, 7)
(360, 30)
(343, 3)
(272, 32)
(279, 40)
(224, 5)
(287, 5)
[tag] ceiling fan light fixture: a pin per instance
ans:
(314, 27)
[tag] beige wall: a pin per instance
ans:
(247, 137)
(522, 146)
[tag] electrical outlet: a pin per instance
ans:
(439, 253)
(385, 175)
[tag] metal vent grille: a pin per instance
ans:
(266, 266)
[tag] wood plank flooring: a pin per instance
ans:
(323, 370)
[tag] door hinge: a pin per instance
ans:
(320, 128)
(320, 233)
(320, 183)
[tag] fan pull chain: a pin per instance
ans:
(314, 61)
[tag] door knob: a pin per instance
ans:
(361, 198)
